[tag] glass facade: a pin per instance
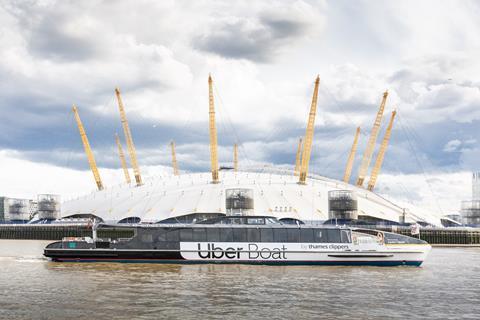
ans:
(252, 234)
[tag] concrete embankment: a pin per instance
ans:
(57, 232)
(434, 236)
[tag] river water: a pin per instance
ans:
(31, 287)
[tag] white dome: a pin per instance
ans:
(275, 194)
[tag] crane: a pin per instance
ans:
(298, 160)
(381, 154)
(213, 132)
(128, 139)
(123, 161)
(351, 157)
(174, 159)
(88, 150)
(367, 156)
(307, 147)
(235, 157)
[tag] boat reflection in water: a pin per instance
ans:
(244, 239)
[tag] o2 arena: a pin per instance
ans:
(294, 194)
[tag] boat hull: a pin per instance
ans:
(405, 258)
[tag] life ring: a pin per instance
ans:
(380, 237)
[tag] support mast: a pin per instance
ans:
(367, 156)
(235, 157)
(351, 157)
(298, 158)
(88, 149)
(381, 154)
(128, 139)
(174, 159)
(123, 161)
(307, 147)
(213, 133)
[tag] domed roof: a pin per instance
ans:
(274, 194)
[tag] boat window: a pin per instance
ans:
(226, 234)
(173, 235)
(292, 234)
(306, 235)
(161, 235)
(392, 238)
(333, 235)
(239, 235)
(271, 221)
(320, 235)
(147, 238)
(279, 235)
(186, 234)
(199, 234)
(236, 221)
(345, 236)
(255, 221)
(213, 234)
(266, 234)
(253, 235)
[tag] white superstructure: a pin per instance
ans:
(275, 194)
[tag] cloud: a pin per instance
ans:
(257, 40)
(440, 192)
(262, 36)
(51, 179)
(264, 57)
(452, 145)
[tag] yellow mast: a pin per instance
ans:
(174, 159)
(381, 154)
(128, 139)
(297, 158)
(213, 133)
(367, 156)
(351, 157)
(307, 147)
(88, 150)
(123, 161)
(235, 157)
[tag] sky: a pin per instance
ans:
(264, 57)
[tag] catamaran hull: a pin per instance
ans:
(224, 257)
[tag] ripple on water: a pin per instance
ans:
(31, 287)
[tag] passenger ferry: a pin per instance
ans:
(244, 239)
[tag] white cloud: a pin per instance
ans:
(264, 57)
(452, 145)
(27, 179)
(440, 192)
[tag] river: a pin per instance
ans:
(447, 286)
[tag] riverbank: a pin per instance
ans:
(444, 287)
(461, 237)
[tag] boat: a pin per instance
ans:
(245, 240)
